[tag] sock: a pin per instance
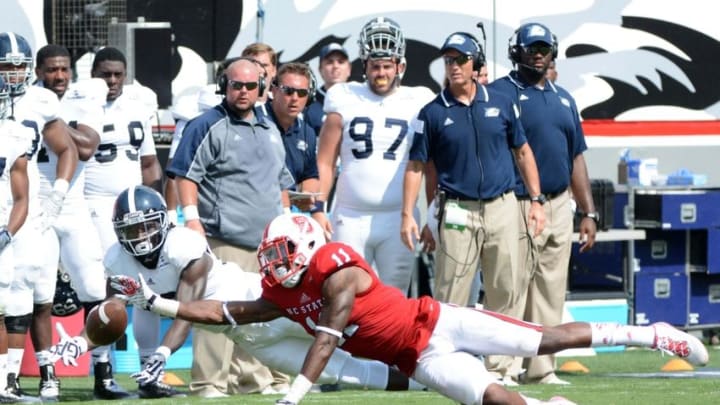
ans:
(3, 371)
(613, 334)
(101, 354)
(43, 357)
(14, 360)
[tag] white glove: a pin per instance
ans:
(69, 348)
(51, 208)
(154, 367)
(5, 238)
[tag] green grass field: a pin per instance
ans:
(597, 387)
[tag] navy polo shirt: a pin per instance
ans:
(300, 142)
(314, 114)
(552, 126)
(470, 145)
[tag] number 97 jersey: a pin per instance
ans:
(375, 142)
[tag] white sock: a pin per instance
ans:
(43, 357)
(613, 334)
(3, 371)
(14, 360)
(101, 354)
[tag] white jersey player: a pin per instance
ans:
(368, 125)
(179, 260)
(15, 141)
(126, 155)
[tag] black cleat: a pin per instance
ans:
(158, 390)
(105, 385)
(49, 384)
(14, 394)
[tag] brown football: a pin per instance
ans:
(106, 322)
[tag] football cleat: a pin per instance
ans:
(49, 384)
(676, 342)
(13, 393)
(105, 385)
(158, 390)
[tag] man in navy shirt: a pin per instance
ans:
(552, 125)
(472, 137)
(291, 89)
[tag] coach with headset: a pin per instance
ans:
(225, 157)
(472, 137)
(550, 118)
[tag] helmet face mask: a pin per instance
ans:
(289, 243)
(4, 99)
(140, 221)
(381, 38)
(16, 62)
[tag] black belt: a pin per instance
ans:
(549, 196)
(451, 196)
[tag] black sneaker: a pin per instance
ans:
(13, 385)
(49, 384)
(105, 385)
(158, 390)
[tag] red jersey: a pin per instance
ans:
(384, 324)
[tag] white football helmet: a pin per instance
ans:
(381, 38)
(288, 244)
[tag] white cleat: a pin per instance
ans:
(681, 344)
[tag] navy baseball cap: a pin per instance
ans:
(462, 43)
(332, 47)
(530, 33)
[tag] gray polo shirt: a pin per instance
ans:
(239, 167)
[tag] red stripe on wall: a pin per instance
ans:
(650, 128)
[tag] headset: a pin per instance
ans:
(312, 89)
(222, 81)
(514, 49)
(479, 58)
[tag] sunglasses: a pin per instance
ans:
(458, 60)
(288, 91)
(236, 85)
(543, 50)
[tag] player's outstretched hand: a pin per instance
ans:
(135, 292)
(153, 370)
(69, 348)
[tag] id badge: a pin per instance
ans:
(455, 216)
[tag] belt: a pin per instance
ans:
(451, 196)
(549, 196)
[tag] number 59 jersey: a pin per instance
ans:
(375, 142)
(126, 136)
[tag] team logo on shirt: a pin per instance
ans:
(492, 112)
(301, 145)
(448, 122)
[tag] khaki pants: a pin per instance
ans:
(218, 364)
(490, 238)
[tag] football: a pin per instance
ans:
(106, 322)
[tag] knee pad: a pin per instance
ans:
(18, 324)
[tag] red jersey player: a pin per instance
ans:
(335, 295)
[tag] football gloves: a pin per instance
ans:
(152, 371)
(69, 348)
(51, 208)
(134, 292)
(5, 238)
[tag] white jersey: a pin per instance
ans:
(375, 142)
(82, 104)
(15, 141)
(126, 136)
(34, 109)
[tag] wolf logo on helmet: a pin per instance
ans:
(141, 224)
(289, 243)
(16, 62)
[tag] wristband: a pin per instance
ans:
(165, 307)
(329, 331)
(190, 212)
(287, 210)
(172, 216)
(164, 351)
(61, 186)
(226, 312)
(318, 207)
(298, 389)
